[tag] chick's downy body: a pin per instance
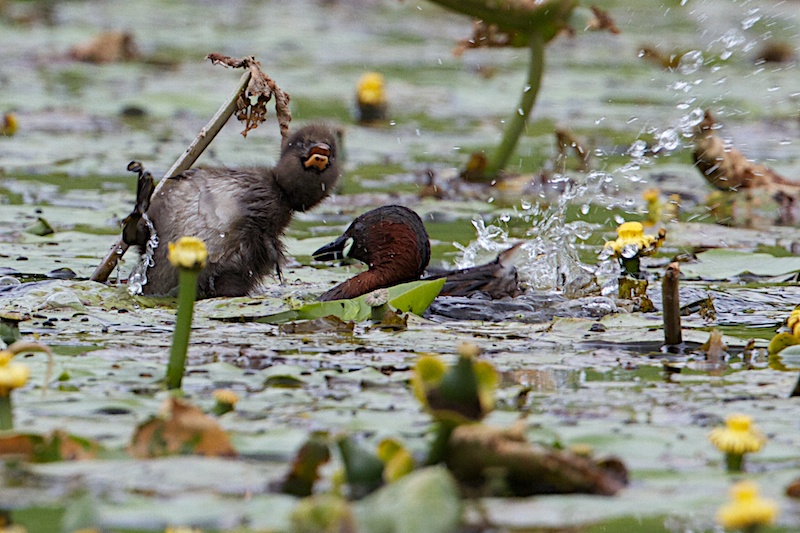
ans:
(239, 214)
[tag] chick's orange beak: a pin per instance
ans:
(318, 157)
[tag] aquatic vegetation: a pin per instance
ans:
(180, 428)
(736, 439)
(747, 511)
(631, 245)
(225, 401)
(14, 375)
(519, 24)
(189, 256)
(371, 99)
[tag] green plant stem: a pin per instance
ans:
(187, 291)
(516, 125)
(441, 441)
(734, 462)
(6, 414)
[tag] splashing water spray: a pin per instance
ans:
(551, 260)
(138, 276)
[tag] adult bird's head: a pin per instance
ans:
(392, 242)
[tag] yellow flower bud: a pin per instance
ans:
(370, 89)
(225, 396)
(12, 375)
(738, 436)
(747, 510)
(189, 253)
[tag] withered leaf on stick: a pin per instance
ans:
(252, 103)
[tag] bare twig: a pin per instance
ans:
(184, 162)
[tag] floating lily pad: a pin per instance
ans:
(724, 264)
(413, 297)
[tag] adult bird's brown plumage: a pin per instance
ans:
(393, 243)
(239, 214)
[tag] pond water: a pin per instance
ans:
(578, 366)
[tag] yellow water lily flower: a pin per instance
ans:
(631, 241)
(12, 375)
(747, 510)
(793, 322)
(225, 396)
(9, 124)
(737, 436)
(370, 89)
(735, 439)
(189, 253)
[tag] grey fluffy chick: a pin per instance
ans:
(239, 214)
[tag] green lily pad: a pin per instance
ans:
(723, 263)
(413, 297)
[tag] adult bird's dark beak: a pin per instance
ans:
(338, 249)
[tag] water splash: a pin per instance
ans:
(691, 62)
(138, 276)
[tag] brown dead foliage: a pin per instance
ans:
(727, 169)
(252, 103)
(57, 446)
(181, 428)
(483, 455)
(107, 47)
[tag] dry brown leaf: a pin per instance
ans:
(107, 47)
(478, 453)
(252, 104)
(727, 168)
(182, 428)
(57, 446)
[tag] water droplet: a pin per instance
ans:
(691, 119)
(526, 205)
(751, 19)
(690, 62)
(629, 251)
(505, 217)
(521, 112)
(585, 209)
(668, 140)
(637, 149)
